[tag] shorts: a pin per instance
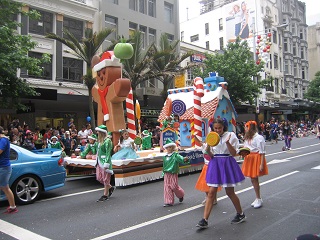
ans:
(5, 173)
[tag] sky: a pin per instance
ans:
(313, 11)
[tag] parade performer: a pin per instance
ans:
(146, 140)
(171, 170)
(223, 170)
(255, 164)
(91, 147)
(54, 143)
(125, 149)
(168, 122)
(104, 164)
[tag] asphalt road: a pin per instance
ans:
(290, 192)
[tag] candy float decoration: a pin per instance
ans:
(213, 139)
(198, 93)
(178, 107)
(130, 115)
(123, 50)
(263, 48)
(138, 116)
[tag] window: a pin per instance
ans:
(294, 49)
(270, 57)
(274, 36)
(142, 6)
(152, 8)
(303, 70)
(170, 37)
(275, 60)
(194, 38)
(220, 24)
(285, 44)
(114, 1)
(46, 67)
(168, 12)
(112, 23)
(132, 28)
(182, 36)
(206, 26)
(276, 85)
(43, 25)
(301, 34)
(293, 29)
(72, 70)
(302, 52)
(295, 70)
(286, 66)
(133, 5)
(221, 43)
(143, 31)
(280, 63)
(75, 27)
(152, 35)
(207, 45)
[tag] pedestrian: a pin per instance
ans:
(5, 171)
(223, 170)
(254, 165)
(170, 172)
(287, 133)
(104, 164)
(28, 142)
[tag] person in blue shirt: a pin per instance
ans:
(5, 171)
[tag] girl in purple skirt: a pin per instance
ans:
(223, 170)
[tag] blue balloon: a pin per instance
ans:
(88, 119)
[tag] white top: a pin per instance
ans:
(222, 148)
(256, 144)
(82, 134)
(126, 143)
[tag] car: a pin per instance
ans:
(34, 172)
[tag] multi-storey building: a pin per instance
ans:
(221, 21)
(314, 49)
(62, 93)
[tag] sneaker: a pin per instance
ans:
(11, 210)
(180, 200)
(111, 190)
(103, 198)
(254, 202)
(258, 203)
(202, 223)
(167, 205)
(238, 218)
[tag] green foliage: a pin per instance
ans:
(238, 68)
(313, 92)
(14, 55)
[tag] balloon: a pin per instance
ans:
(88, 119)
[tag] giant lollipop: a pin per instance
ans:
(138, 116)
(212, 139)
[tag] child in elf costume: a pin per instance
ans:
(54, 143)
(91, 148)
(170, 171)
(104, 164)
(146, 140)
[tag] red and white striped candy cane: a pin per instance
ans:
(198, 93)
(130, 115)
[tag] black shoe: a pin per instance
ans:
(202, 223)
(180, 200)
(167, 205)
(111, 190)
(238, 218)
(103, 198)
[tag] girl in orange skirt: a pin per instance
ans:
(255, 164)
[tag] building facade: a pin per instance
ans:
(61, 92)
(221, 21)
(314, 49)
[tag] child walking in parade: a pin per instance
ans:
(255, 164)
(223, 170)
(104, 164)
(171, 170)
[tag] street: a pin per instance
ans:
(291, 206)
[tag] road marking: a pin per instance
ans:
(286, 159)
(317, 167)
(270, 154)
(278, 161)
(18, 232)
(141, 225)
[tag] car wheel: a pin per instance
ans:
(26, 189)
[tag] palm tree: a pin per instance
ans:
(84, 50)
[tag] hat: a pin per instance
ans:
(102, 128)
(169, 143)
(145, 132)
(67, 132)
(54, 137)
(93, 137)
(109, 135)
(28, 132)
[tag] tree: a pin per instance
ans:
(84, 50)
(313, 92)
(238, 68)
(14, 55)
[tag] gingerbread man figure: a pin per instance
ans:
(109, 92)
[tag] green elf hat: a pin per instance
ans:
(169, 143)
(109, 134)
(93, 137)
(145, 132)
(102, 128)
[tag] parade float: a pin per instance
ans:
(196, 107)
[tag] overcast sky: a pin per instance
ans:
(313, 11)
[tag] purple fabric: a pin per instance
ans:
(224, 171)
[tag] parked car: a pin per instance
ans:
(34, 172)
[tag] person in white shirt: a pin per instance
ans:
(255, 165)
(82, 134)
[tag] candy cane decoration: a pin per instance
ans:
(130, 115)
(198, 93)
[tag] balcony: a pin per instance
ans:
(270, 91)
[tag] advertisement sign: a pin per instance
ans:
(179, 81)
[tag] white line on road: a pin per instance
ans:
(116, 233)
(317, 167)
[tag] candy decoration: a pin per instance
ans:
(192, 133)
(176, 126)
(178, 107)
(138, 116)
(130, 115)
(213, 139)
(198, 93)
